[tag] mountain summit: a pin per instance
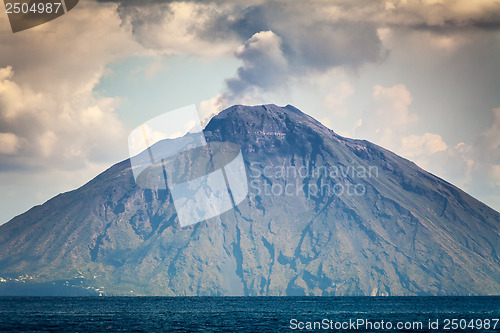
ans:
(325, 215)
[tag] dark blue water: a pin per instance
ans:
(248, 314)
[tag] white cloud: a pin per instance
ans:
(472, 167)
(62, 134)
(68, 55)
(389, 117)
(334, 101)
(382, 12)
(209, 108)
(491, 137)
(264, 64)
(54, 128)
(280, 40)
(422, 145)
(174, 27)
(9, 143)
(47, 77)
(459, 13)
(393, 102)
(486, 155)
(495, 170)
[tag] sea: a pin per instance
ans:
(249, 314)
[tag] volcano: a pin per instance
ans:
(325, 215)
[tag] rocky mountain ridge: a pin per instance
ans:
(400, 231)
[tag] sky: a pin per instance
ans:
(420, 77)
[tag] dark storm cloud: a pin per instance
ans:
(301, 43)
(264, 63)
(314, 44)
(418, 13)
(249, 20)
(306, 45)
(317, 48)
(309, 36)
(323, 46)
